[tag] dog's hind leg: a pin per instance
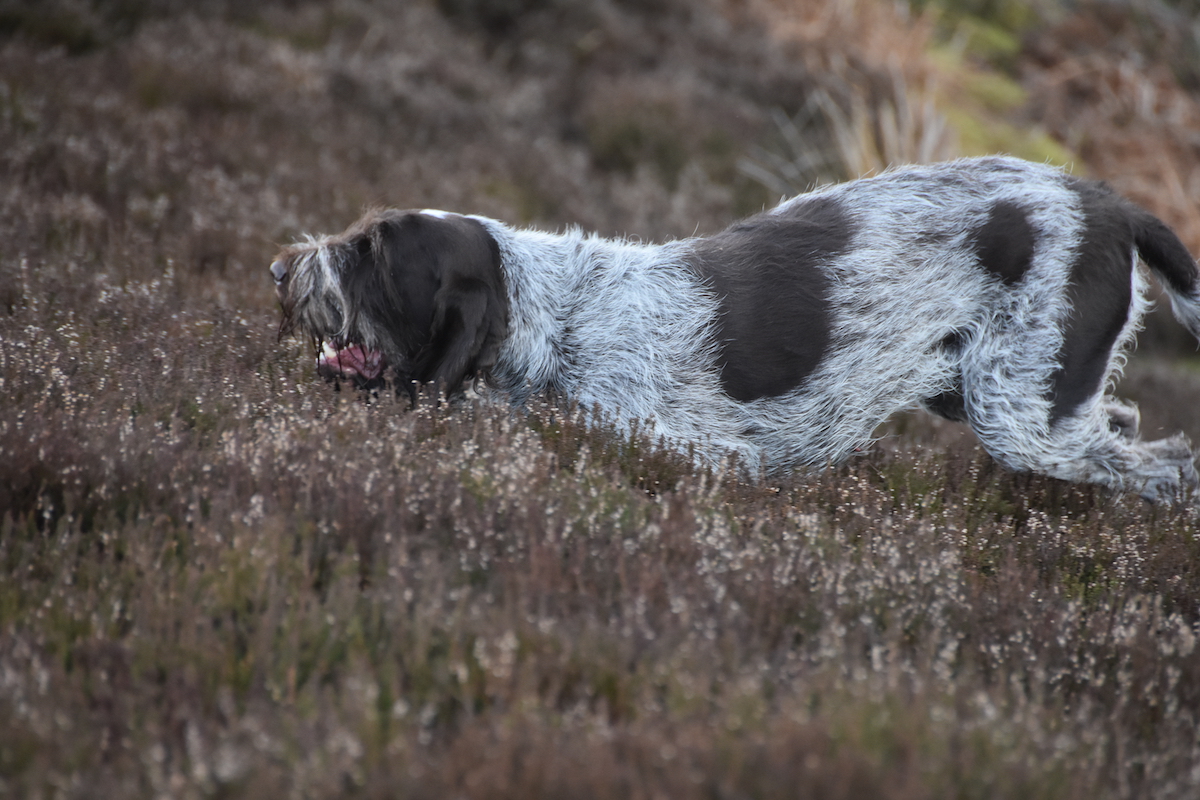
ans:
(1097, 442)
(1087, 448)
(1041, 403)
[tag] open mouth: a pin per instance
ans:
(349, 362)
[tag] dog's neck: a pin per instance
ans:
(547, 275)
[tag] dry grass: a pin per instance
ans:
(1108, 83)
(220, 579)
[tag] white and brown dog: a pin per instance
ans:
(991, 291)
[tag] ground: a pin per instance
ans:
(220, 578)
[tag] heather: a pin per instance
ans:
(221, 578)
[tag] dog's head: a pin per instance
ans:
(419, 295)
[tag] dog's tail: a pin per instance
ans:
(1162, 251)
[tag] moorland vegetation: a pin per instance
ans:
(220, 578)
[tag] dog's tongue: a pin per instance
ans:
(350, 361)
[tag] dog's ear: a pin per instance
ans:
(468, 326)
(469, 317)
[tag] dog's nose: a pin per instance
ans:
(279, 271)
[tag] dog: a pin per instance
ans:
(992, 291)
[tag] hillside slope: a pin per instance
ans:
(220, 578)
